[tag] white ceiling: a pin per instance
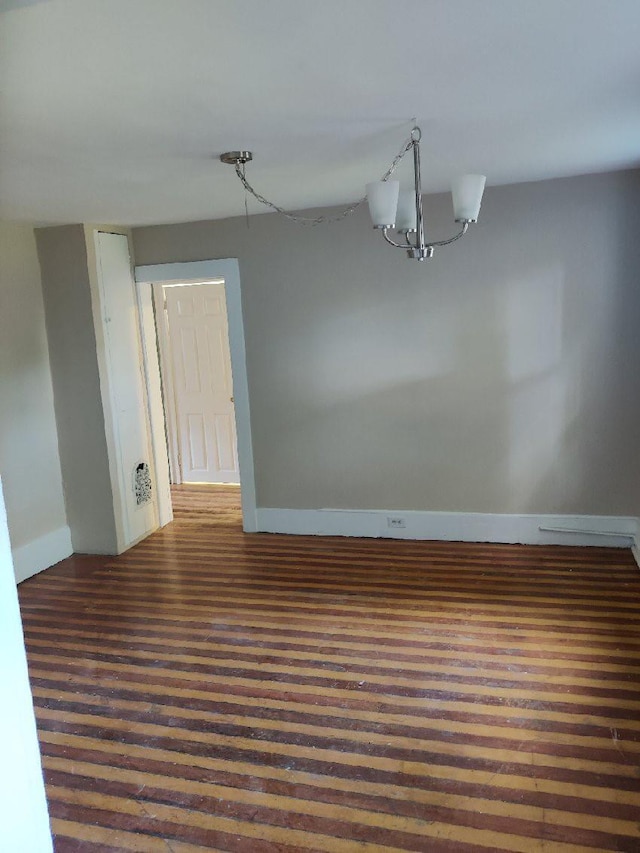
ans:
(115, 110)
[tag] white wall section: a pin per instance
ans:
(24, 822)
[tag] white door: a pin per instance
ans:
(134, 492)
(202, 384)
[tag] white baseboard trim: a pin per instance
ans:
(43, 552)
(608, 531)
(635, 547)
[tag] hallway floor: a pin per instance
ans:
(207, 503)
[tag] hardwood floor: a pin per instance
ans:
(206, 503)
(211, 690)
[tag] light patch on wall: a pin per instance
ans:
(534, 322)
(537, 421)
(368, 351)
(539, 396)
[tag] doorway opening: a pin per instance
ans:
(194, 360)
(199, 406)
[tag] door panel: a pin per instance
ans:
(225, 436)
(196, 437)
(189, 362)
(203, 388)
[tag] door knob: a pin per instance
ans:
(231, 398)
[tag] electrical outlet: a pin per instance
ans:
(396, 521)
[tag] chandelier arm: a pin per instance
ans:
(390, 241)
(461, 233)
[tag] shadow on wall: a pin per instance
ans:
(383, 397)
(611, 404)
(486, 406)
(573, 339)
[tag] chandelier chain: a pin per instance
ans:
(320, 220)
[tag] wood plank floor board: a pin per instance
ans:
(212, 690)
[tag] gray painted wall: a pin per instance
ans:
(501, 376)
(76, 385)
(29, 459)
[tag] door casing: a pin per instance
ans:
(198, 271)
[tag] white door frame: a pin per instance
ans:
(166, 374)
(227, 269)
(153, 382)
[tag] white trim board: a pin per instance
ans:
(635, 547)
(608, 531)
(150, 342)
(227, 269)
(43, 552)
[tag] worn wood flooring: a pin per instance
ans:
(205, 503)
(211, 690)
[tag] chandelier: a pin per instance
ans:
(389, 207)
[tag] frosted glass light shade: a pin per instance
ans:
(383, 202)
(467, 192)
(406, 217)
